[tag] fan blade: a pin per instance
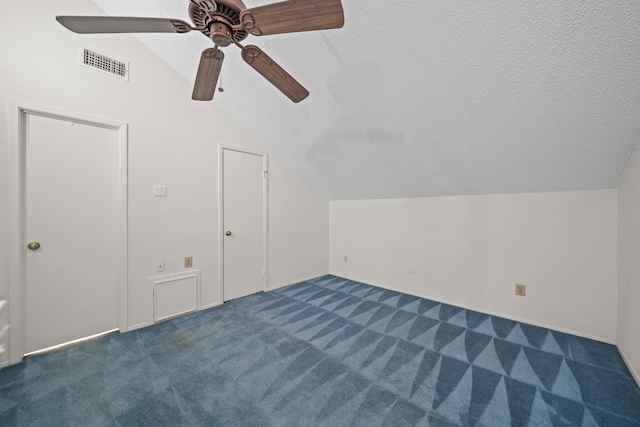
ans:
(271, 71)
(116, 24)
(208, 72)
(293, 16)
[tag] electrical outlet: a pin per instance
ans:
(411, 270)
(159, 266)
(521, 290)
(346, 258)
(188, 262)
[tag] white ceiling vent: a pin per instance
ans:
(104, 63)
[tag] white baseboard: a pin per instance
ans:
(282, 285)
(626, 361)
(489, 312)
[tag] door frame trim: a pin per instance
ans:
(265, 222)
(18, 112)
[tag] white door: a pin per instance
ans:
(243, 223)
(72, 214)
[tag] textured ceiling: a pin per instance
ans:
(429, 98)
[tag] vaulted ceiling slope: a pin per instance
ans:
(431, 98)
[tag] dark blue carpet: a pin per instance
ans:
(329, 352)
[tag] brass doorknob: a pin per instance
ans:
(33, 246)
(228, 233)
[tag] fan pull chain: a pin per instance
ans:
(220, 89)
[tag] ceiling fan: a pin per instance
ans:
(226, 22)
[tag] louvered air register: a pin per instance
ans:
(226, 22)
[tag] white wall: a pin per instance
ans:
(628, 337)
(172, 141)
(471, 251)
(298, 229)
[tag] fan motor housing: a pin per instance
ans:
(228, 11)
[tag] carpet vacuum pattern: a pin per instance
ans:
(326, 352)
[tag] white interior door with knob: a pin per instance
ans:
(243, 222)
(71, 216)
